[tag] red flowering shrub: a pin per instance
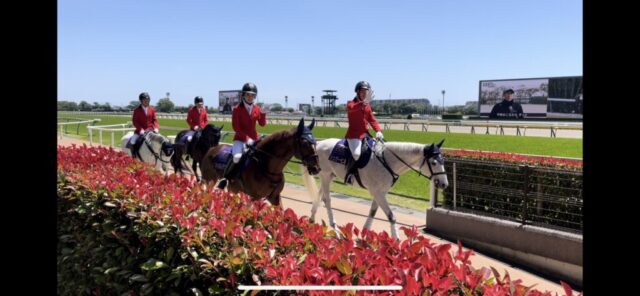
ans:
(532, 160)
(124, 228)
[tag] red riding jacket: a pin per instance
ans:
(143, 121)
(360, 116)
(195, 118)
(244, 124)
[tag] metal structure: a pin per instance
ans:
(329, 102)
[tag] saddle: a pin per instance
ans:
(342, 154)
(224, 156)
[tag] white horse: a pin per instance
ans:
(388, 161)
(156, 149)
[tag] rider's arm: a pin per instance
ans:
(371, 119)
(262, 119)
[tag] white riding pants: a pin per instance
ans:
(355, 145)
(236, 151)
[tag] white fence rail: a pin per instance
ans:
(518, 128)
(70, 121)
(112, 128)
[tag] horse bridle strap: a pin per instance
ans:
(421, 164)
(156, 155)
(383, 160)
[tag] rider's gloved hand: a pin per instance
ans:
(265, 109)
(155, 130)
(250, 142)
(379, 136)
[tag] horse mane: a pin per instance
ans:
(405, 147)
(208, 127)
(269, 142)
(157, 137)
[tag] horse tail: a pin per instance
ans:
(311, 185)
(176, 160)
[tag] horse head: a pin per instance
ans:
(165, 145)
(435, 165)
(211, 135)
(305, 147)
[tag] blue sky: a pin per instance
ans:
(110, 51)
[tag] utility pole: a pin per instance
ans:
(443, 101)
(312, 107)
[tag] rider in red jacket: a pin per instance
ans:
(244, 117)
(197, 118)
(360, 117)
(144, 118)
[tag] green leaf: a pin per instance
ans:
(111, 270)
(301, 259)
(344, 267)
(138, 278)
(153, 264)
(110, 204)
(170, 252)
(216, 290)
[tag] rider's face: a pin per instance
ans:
(145, 102)
(362, 93)
(249, 97)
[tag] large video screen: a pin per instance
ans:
(228, 99)
(554, 97)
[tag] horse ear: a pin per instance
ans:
(440, 144)
(220, 128)
(313, 122)
(301, 126)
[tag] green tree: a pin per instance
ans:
(133, 104)
(275, 107)
(165, 105)
(84, 106)
(67, 106)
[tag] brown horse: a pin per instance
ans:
(263, 177)
(209, 137)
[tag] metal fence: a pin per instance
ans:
(541, 196)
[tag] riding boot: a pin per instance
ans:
(230, 172)
(348, 178)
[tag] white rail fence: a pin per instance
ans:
(518, 128)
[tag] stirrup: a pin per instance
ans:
(222, 184)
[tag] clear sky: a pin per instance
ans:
(111, 50)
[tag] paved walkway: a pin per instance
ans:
(351, 209)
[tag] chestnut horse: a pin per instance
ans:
(262, 177)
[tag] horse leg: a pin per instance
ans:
(381, 199)
(372, 215)
(314, 192)
(194, 166)
(326, 197)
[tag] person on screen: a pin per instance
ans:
(226, 109)
(507, 109)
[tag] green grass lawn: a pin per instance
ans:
(409, 183)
